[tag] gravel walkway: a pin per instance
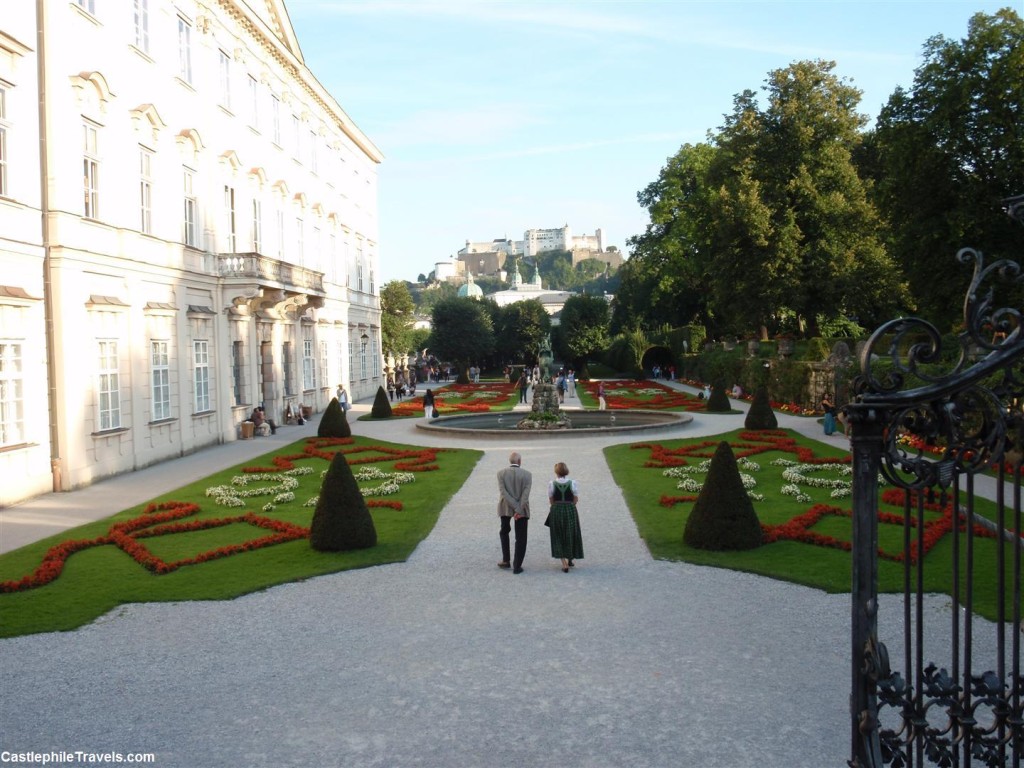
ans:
(446, 661)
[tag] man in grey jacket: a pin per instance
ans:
(514, 484)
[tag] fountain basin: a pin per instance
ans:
(584, 423)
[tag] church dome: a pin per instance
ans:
(470, 289)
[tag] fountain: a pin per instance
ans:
(545, 412)
(547, 419)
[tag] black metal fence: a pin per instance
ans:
(947, 689)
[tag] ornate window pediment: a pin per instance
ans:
(92, 89)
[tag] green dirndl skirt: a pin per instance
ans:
(566, 537)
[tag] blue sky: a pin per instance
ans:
(495, 117)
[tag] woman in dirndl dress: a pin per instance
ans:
(563, 519)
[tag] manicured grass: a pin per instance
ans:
(661, 524)
(99, 578)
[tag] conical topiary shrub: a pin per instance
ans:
(723, 516)
(341, 520)
(719, 400)
(761, 415)
(381, 407)
(334, 422)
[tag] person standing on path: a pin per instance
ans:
(428, 405)
(601, 404)
(830, 414)
(514, 485)
(564, 519)
(524, 384)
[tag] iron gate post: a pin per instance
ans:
(869, 659)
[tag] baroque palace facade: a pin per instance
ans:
(188, 230)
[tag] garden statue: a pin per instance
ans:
(545, 358)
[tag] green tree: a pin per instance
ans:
(520, 328)
(462, 332)
(396, 319)
(433, 293)
(793, 227)
(666, 277)
(584, 329)
(946, 152)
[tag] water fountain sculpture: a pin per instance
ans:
(545, 411)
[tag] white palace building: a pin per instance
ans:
(188, 229)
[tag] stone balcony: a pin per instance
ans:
(260, 282)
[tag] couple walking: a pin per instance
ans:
(514, 485)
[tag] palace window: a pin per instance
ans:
(229, 219)
(224, 69)
(12, 397)
(191, 222)
(238, 371)
(145, 190)
(184, 50)
(308, 371)
(201, 374)
(142, 25)
(109, 385)
(160, 366)
(3, 139)
(90, 171)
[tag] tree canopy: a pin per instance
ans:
(584, 328)
(462, 331)
(396, 319)
(520, 328)
(768, 220)
(946, 153)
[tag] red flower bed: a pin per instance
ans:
(799, 528)
(469, 399)
(753, 443)
(664, 398)
(167, 517)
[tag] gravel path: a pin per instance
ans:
(446, 661)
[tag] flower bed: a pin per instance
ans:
(620, 395)
(461, 398)
(279, 481)
(796, 479)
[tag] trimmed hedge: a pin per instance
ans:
(342, 520)
(723, 516)
(719, 400)
(334, 422)
(381, 405)
(761, 415)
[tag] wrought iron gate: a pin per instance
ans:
(936, 439)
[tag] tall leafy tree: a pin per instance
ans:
(947, 151)
(584, 328)
(520, 328)
(396, 319)
(666, 277)
(461, 332)
(792, 226)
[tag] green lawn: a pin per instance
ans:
(661, 526)
(99, 578)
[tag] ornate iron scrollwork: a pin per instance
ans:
(933, 414)
(970, 409)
